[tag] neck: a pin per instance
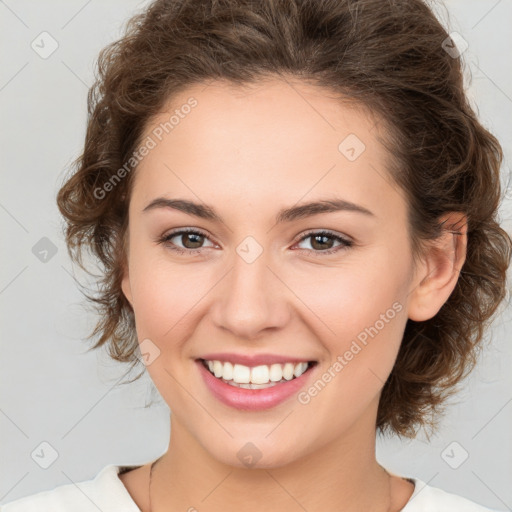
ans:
(343, 471)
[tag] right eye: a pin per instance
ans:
(186, 236)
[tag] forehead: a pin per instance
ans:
(277, 138)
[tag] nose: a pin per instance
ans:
(251, 299)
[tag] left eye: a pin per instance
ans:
(319, 239)
(193, 240)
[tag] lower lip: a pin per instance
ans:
(252, 399)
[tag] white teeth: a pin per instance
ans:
(256, 377)
(299, 369)
(241, 374)
(288, 371)
(259, 374)
(276, 372)
(245, 386)
(227, 371)
(217, 368)
(251, 386)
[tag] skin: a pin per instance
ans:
(249, 153)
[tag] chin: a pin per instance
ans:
(253, 453)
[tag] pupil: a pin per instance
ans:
(185, 240)
(323, 238)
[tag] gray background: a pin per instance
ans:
(53, 391)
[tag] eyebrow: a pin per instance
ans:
(207, 212)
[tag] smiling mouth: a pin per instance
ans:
(256, 377)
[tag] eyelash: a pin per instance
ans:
(345, 244)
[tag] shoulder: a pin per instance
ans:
(104, 492)
(426, 498)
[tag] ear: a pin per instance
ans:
(125, 286)
(125, 281)
(437, 275)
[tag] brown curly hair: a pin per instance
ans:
(386, 56)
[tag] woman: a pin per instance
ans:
(295, 207)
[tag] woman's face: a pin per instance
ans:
(256, 281)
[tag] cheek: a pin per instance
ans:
(366, 313)
(161, 292)
(350, 298)
(358, 310)
(169, 299)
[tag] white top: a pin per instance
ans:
(106, 492)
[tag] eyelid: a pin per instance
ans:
(178, 231)
(345, 242)
(307, 233)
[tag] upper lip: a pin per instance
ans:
(253, 360)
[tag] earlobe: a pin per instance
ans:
(125, 281)
(125, 286)
(439, 271)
